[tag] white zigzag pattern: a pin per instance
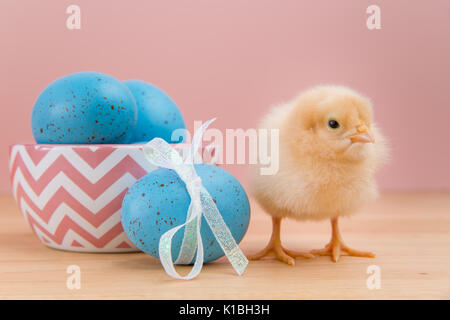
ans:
(64, 210)
(62, 181)
(92, 175)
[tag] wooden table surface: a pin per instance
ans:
(410, 232)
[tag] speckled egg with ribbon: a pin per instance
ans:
(159, 201)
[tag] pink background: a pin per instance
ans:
(234, 59)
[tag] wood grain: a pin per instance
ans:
(410, 232)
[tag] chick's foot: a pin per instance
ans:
(274, 248)
(336, 246)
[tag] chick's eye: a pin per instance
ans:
(333, 124)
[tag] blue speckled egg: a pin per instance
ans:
(158, 115)
(84, 108)
(159, 201)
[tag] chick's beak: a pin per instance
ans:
(363, 135)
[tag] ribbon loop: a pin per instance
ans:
(161, 154)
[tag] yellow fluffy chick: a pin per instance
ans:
(329, 150)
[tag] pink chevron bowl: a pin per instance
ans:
(71, 195)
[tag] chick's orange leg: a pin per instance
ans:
(274, 247)
(336, 246)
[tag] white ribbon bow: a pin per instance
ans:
(161, 154)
